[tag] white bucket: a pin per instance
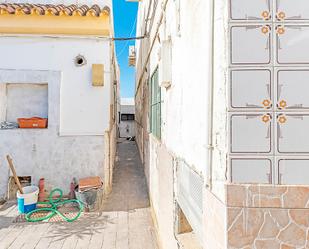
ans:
(28, 200)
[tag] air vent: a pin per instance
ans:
(190, 196)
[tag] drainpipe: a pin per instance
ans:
(211, 96)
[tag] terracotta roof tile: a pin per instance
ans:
(42, 9)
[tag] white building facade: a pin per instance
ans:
(220, 103)
(61, 66)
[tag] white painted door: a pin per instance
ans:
(292, 10)
(293, 171)
(250, 44)
(293, 133)
(251, 133)
(293, 89)
(292, 44)
(254, 10)
(251, 170)
(250, 89)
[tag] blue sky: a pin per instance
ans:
(125, 26)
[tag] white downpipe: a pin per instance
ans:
(211, 96)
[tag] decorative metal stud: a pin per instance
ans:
(281, 15)
(265, 29)
(266, 103)
(266, 15)
(266, 118)
(280, 30)
(282, 119)
(282, 104)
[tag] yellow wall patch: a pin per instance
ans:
(97, 74)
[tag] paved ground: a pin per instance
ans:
(125, 222)
(129, 183)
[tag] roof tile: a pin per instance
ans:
(43, 9)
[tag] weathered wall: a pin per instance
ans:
(3, 102)
(110, 157)
(161, 188)
(78, 113)
(184, 119)
(183, 112)
(43, 153)
(215, 216)
(25, 100)
(220, 125)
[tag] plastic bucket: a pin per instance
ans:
(90, 198)
(27, 201)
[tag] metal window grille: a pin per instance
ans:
(155, 105)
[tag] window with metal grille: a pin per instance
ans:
(155, 105)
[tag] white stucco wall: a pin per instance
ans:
(185, 104)
(25, 100)
(220, 123)
(161, 186)
(129, 109)
(78, 113)
(184, 116)
(83, 108)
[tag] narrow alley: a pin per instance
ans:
(125, 222)
(129, 183)
(154, 124)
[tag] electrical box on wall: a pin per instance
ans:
(97, 74)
